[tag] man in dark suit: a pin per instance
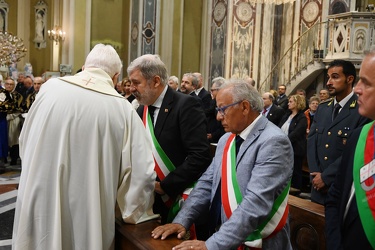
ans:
(272, 112)
(189, 84)
(332, 127)
(203, 94)
(349, 221)
(282, 99)
(178, 126)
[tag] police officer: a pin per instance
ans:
(332, 125)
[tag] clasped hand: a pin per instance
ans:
(317, 181)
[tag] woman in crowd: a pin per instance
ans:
(309, 113)
(126, 90)
(294, 124)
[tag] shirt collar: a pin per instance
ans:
(345, 100)
(159, 101)
(198, 90)
(249, 128)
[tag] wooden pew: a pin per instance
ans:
(307, 223)
(306, 229)
(133, 237)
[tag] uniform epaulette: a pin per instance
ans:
(330, 100)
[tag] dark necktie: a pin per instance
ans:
(151, 111)
(264, 112)
(336, 110)
(215, 209)
(239, 141)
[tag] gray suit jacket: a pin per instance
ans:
(264, 167)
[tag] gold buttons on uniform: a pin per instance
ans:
(325, 158)
(327, 145)
(329, 133)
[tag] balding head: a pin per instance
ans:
(38, 81)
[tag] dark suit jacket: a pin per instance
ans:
(181, 132)
(327, 139)
(214, 126)
(296, 132)
(346, 234)
(205, 96)
(199, 100)
(283, 102)
(275, 114)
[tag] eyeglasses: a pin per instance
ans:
(221, 110)
(212, 90)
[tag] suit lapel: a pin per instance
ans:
(164, 111)
(271, 111)
(346, 110)
(251, 138)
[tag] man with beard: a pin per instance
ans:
(333, 124)
(177, 125)
(349, 213)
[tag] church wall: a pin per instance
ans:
(39, 57)
(79, 53)
(190, 61)
(12, 17)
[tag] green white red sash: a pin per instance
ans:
(231, 197)
(163, 166)
(364, 180)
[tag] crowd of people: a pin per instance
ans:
(16, 98)
(152, 156)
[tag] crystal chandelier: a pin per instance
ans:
(12, 48)
(56, 34)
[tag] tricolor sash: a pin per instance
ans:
(364, 180)
(163, 166)
(231, 197)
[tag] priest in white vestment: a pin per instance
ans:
(83, 148)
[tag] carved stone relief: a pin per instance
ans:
(4, 8)
(359, 41)
(40, 24)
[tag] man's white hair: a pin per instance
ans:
(104, 57)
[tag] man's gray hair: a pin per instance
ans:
(219, 81)
(104, 57)
(242, 91)
(150, 66)
(194, 79)
(174, 79)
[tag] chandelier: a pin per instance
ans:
(12, 48)
(56, 34)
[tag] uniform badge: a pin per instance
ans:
(340, 132)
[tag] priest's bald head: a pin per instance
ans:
(106, 58)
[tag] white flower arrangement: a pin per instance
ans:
(2, 97)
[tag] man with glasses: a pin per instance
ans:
(244, 182)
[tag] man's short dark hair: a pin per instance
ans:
(348, 68)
